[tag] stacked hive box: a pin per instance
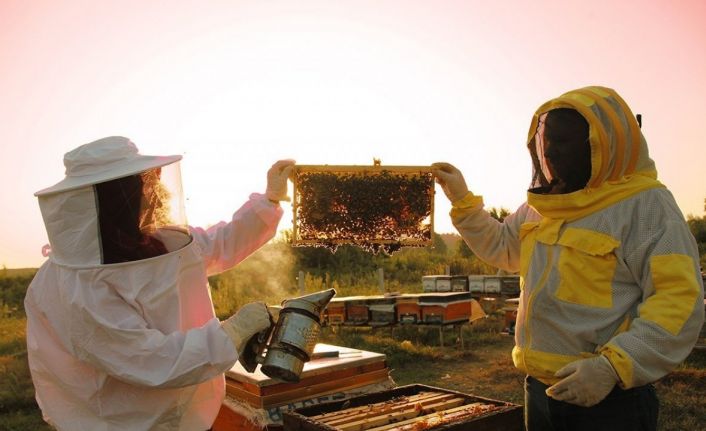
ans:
(459, 283)
(445, 307)
(335, 312)
(382, 310)
(357, 312)
(442, 308)
(436, 283)
(408, 310)
(255, 401)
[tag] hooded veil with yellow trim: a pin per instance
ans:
(620, 162)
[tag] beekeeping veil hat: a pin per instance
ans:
(113, 205)
(103, 160)
(620, 163)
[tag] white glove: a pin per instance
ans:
(249, 320)
(586, 382)
(277, 180)
(451, 181)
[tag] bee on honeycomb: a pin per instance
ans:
(377, 210)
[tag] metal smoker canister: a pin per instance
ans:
(294, 336)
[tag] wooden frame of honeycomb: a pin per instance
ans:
(378, 208)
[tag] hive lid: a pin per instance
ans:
(347, 358)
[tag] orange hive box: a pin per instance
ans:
(357, 312)
(446, 307)
(335, 312)
(408, 310)
(255, 401)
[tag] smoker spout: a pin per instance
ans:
(313, 303)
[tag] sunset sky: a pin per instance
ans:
(234, 86)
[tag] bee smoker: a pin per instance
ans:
(285, 346)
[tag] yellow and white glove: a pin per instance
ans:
(585, 382)
(451, 181)
(277, 180)
(249, 320)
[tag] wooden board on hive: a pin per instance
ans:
(350, 368)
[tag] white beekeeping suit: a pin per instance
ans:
(121, 331)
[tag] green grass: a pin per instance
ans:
(17, 272)
(682, 395)
(17, 404)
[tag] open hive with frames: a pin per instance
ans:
(378, 208)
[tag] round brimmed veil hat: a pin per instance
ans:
(104, 160)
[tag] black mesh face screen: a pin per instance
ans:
(121, 210)
(567, 149)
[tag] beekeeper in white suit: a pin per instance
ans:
(121, 331)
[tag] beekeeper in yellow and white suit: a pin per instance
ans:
(121, 331)
(611, 297)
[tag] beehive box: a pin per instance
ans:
(357, 311)
(382, 311)
(374, 207)
(510, 314)
(459, 283)
(407, 308)
(254, 400)
(445, 308)
(443, 283)
(406, 408)
(436, 283)
(429, 283)
(335, 312)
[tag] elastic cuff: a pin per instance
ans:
(277, 197)
(621, 362)
(233, 335)
(605, 359)
(467, 201)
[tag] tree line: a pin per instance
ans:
(272, 273)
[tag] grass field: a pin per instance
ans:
(483, 367)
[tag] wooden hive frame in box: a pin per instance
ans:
(363, 205)
(408, 408)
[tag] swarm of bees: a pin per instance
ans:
(377, 209)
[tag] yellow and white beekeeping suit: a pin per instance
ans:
(610, 269)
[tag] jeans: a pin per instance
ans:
(622, 410)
